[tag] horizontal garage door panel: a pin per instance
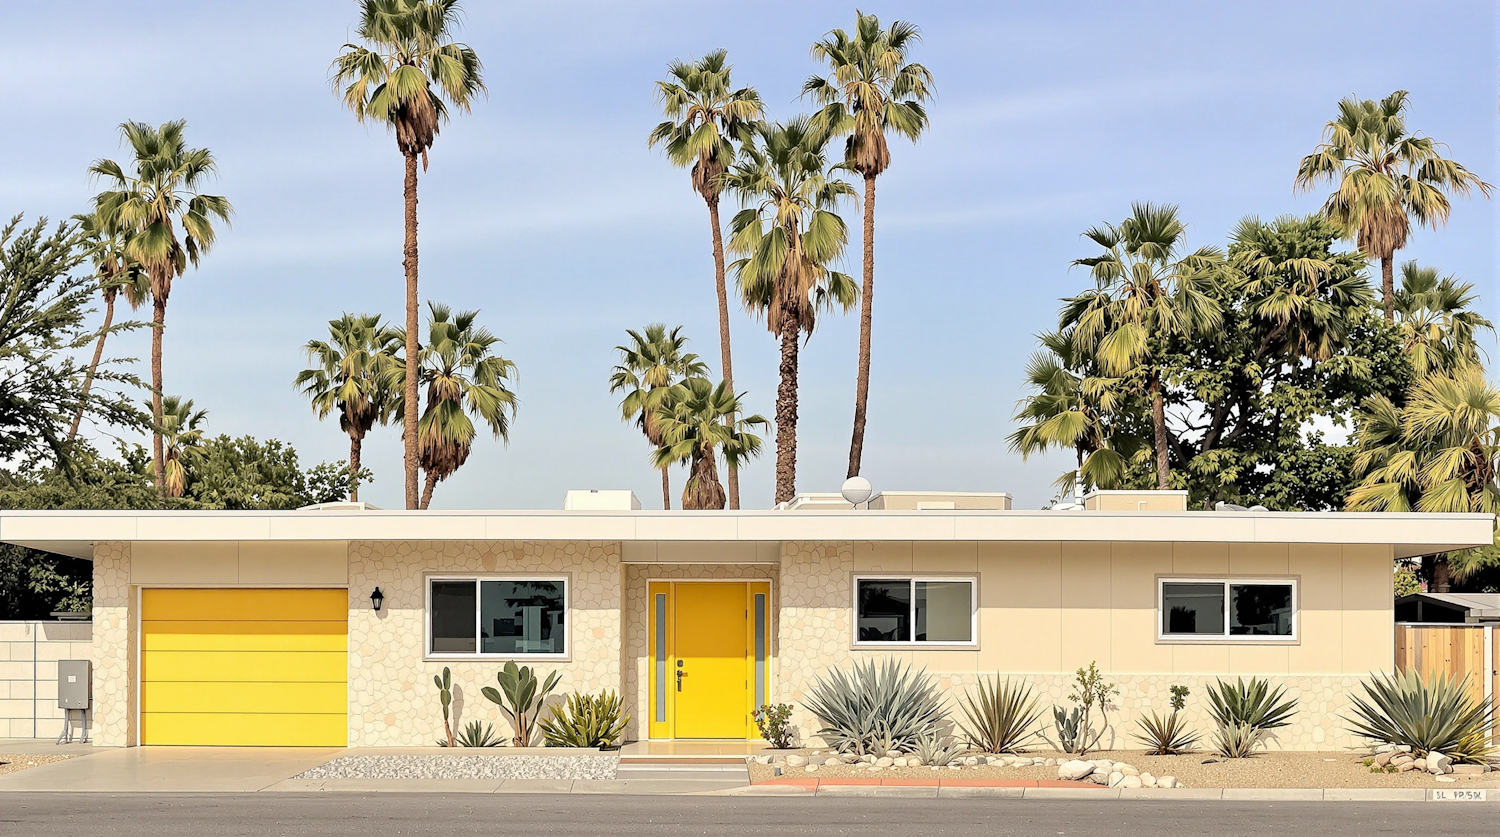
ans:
(237, 667)
(244, 730)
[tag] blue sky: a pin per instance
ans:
(546, 210)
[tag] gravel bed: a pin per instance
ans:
(10, 764)
(602, 766)
(1263, 770)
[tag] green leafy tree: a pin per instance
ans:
(1147, 290)
(789, 237)
(698, 421)
(1437, 321)
(1387, 178)
(148, 201)
(651, 364)
(406, 73)
(117, 273)
(707, 119)
(352, 373)
(246, 474)
(871, 90)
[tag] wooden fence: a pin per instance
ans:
(1455, 650)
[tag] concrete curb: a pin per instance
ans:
(1137, 794)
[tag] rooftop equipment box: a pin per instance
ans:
(74, 686)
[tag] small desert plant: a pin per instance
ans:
(1167, 736)
(938, 750)
(1243, 712)
(585, 721)
(445, 696)
(520, 697)
(999, 715)
(1067, 726)
(478, 734)
(1426, 714)
(874, 709)
(774, 723)
(1075, 729)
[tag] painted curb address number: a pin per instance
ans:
(1458, 795)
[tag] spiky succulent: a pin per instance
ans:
(873, 708)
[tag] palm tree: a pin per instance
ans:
(1439, 453)
(789, 235)
(650, 365)
(1146, 291)
(872, 90)
(147, 203)
(706, 118)
(117, 273)
(1435, 317)
(181, 431)
(352, 373)
(696, 422)
(1386, 177)
(1073, 409)
(406, 75)
(463, 377)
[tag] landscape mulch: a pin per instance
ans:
(11, 764)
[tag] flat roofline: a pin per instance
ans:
(71, 532)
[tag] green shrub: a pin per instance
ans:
(1068, 726)
(477, 734)
(1243, 712)
(1425, 714)
(999, 716)
(585, 721)
(873, 709)
(1075, 729)
(1167, 736)
(774, 723)
(520, 697)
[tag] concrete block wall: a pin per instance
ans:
(29, 652)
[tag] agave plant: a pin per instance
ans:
(874, 709)
(1427, 714)
(520, 697)
(585, 721)
(939, 750)
(1167, 736)
(477, 734)
(999, 716)
(1244, 711)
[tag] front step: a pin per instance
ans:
(665, 762)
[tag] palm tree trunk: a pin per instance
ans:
(666, 490)
(1159, 426)
(867, 293)
(1388, 286)
(704, 490)
(413, 359)
(1440, 572)
(786, 413)
(427, 492)
(355, 442)
(88, 378)
(725, 360)
(158, 456)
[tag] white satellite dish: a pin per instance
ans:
(856, 490)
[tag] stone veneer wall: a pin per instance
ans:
(114, 644)
(392, 699)
(635, 688)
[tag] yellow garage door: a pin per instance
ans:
(244, 667)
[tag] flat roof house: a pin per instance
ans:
(265, 628)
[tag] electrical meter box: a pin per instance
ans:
(74, 686)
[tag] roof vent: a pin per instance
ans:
(594, 499)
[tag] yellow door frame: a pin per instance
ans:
(661, 627)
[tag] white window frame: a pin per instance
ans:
(912, 579)
(567, 585)
(1228, 581)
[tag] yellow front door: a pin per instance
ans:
(710, 650)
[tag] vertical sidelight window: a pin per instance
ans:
(661, 657)
(760, 649)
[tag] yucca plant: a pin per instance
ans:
(874, 709)
(478, 734)
(585, 721)
(1425, 714)
(938, 750)
(999, 716)
(1244, 711)
(1167, 736)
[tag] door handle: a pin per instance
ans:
(680, 674)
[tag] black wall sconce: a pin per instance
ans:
(376, 598)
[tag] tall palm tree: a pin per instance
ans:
(872, 90)
(464, 377)
(789, 235)
(1436, 319)
(1146, 291)
(181, 431)
(651, 364)
(406, 74)
(1439, 453)
(117, 273)
(147, 203)
(697, 422)
(352, 373)
(706, 118)
(1387, 178)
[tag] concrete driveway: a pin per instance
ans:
(171, 769)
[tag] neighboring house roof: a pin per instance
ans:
(1478, 606)
(75, 532)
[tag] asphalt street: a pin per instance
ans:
(459, 815)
